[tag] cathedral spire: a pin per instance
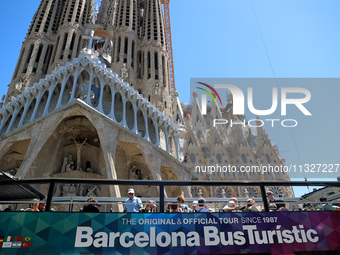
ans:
(37, 48)
(139, 42)
(106, 12)
(53, 37)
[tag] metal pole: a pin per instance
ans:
(49, 196)
(264, 198)
(161, 198)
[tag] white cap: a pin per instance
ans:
(195, 202)
(131, 191)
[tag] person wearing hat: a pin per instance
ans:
(194, 206)
(232, 205)
(201, 204)
(132, 204)
(270, 196)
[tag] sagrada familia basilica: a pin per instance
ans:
(92, 97)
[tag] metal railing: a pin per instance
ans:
(162, 184)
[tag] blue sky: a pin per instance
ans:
(240, 39)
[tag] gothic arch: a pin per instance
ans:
(118, 107)
(129, 115)
(67, 90)
(82, 86)
(76, 142)
(130, 163)
(42, 104)
(30, 110)
(17, 118)
(162, 138)
(54, 97)
(152, 131)
(107, 99)
(95, 92)
(8, 121)
(14, 156)
(141, 123)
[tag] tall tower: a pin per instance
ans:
(37, 48)
(139, 50)
(76, 14)
(54, 36)
(106, 12)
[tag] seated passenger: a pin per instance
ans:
(232, 205)
(281, 206)
(327, 207)
(175, 208)
(33, 208)
(251, 206)
(184, 207)
(132, 204)
(272, 207)
(41, 206)
(92, 206)
(149, 207)
(201, 204)
(194, 206)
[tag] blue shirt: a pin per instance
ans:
(132, 205)
(185, 208)
(202, 209)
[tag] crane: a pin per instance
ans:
(169, 47)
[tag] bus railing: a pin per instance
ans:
(162, 184)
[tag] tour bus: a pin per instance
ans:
(296, 230)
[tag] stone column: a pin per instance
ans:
(108, 142)
(50, 94)
(14, 116)
(76, 75)
(100, 103)
(61, 92)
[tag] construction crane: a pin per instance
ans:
(169, 47)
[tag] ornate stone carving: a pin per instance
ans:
(124, 72)
(79, 147)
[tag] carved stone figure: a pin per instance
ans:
(63, 168)
(70, 164)
(132, 172)
(124, 72)
(79, 146)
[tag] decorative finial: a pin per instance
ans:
(91, 37)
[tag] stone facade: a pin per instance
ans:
(107, 111)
